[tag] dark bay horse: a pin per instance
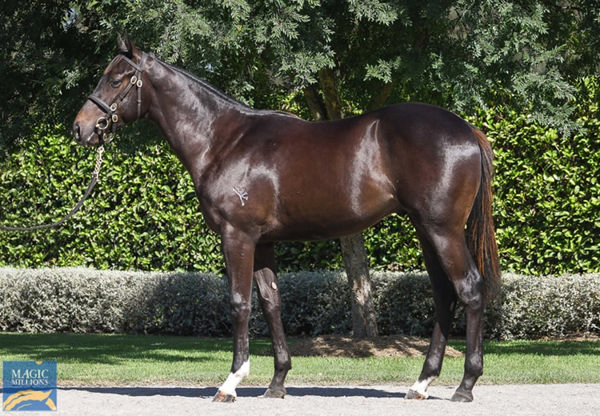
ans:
(265, 176)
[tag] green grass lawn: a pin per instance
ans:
(89, 359)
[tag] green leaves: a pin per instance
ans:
(142, 214)
(546, 194)
(517, 60)
(377, 11)
(460, 55)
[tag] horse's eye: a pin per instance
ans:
(115, 83)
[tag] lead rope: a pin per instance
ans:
(77, 207)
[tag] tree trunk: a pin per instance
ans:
(332, 99)
(315, 103)
(364, 319)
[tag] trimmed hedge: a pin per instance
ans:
(547, 194)
(144, 215)
(531, 308)
(82, 300)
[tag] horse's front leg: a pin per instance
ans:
(238, 249)
(268, 292)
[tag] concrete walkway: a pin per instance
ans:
(513, 400)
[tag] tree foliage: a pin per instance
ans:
(34, 55)
(461, 54)
(521, 63)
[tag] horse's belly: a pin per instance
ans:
(327, 220)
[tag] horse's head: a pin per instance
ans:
(118, 98)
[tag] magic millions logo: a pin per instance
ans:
(29, 385)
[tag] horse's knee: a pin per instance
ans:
(240, 307)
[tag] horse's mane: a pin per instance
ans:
(219, 93)
(205, 85)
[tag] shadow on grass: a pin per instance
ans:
(110, 349)
(544, 348)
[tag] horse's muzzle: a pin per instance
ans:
(77, 132)
(92, 138)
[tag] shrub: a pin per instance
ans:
(183, 304)
(315, 303)
(546, 307)
(82, 300)
(68, 300)
(404, 303)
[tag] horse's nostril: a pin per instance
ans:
(77, 131)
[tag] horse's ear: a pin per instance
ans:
(126, 45)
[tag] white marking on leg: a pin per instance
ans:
(235, 378)
(421, 386)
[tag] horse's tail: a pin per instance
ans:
(481, 238)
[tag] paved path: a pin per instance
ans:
(513, 400)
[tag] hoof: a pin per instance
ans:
(462, 396)
(415, 395)
(223, 397)
(274, 393)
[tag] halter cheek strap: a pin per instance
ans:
(111, 117)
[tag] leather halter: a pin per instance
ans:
(110, 118)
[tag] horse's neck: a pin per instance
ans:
(187, 111)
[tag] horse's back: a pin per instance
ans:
(419, 122)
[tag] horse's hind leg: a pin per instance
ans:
(451, 250)
(270, 299)
(444, 298)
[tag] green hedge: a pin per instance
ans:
(83, 300)
(144, 215)
(547, 195)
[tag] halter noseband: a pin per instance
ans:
(111, 117)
